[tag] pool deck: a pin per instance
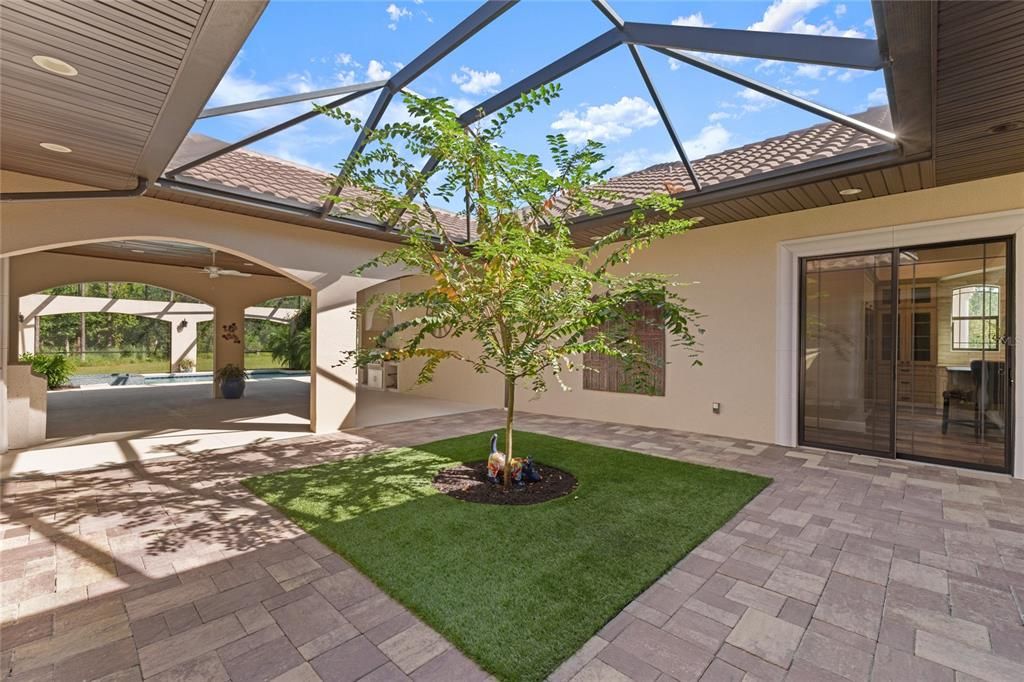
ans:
(125, 424)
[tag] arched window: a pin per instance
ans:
(975, 317)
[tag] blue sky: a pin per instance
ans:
(300, 46)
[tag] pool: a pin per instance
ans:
(201, 377)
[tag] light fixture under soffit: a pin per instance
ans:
(850, 191)
(54, 65)
(53, 147)
(137, 251)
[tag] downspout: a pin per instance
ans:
(138, 190)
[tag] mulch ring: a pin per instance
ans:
(468, 482)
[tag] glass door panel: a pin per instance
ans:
(847, 335)
(952, 374)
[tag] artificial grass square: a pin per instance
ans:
(517, 588)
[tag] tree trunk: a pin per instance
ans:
(510, 406)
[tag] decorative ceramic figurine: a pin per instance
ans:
(523, 470)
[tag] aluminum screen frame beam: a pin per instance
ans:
(665, 120)
(266, 132)
(449, 42)
(782, 95)
(847, 53)
(358, 88)
(608, 11)
(587, 52)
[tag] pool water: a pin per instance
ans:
(199, 377)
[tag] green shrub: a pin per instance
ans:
(230, 371)
(56, 368)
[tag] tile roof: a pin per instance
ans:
(279, 179)
(822, 141)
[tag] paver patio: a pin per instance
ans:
(846, 567)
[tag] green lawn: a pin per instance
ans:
(261, 360)
(543, 578)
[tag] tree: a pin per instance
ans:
(533, 301)
(289, 343)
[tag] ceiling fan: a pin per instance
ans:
(214, 272)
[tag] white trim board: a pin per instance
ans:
(787, 322)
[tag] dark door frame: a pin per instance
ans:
(893, 453)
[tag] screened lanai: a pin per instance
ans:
(696, 105)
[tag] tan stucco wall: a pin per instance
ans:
(736, 266)
(318, 259)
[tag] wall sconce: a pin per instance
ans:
(21, 317)
(182, 325)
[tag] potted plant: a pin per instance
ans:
(232, 380)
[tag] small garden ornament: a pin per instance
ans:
(521, 472)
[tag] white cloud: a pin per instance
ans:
(375, 71)
(345, 59)
(826, 28)
(789, 16)
(754, 101)
(696, 19)
(878, 96)
(673, 64)
(476, 82)
(782, 14)
(712, 139)
(812, 71)
(395, 13)
(719, 116)
(346, 77)
(234, 88)
(607, 122)
(638, 159)
(806, 93)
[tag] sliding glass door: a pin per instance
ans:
(905, 353)
(847, 393)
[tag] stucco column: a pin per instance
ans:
(28, 331)
(228, 337)
(5, 305)
(184, 333)
(332, 391)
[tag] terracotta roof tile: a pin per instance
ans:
(280, 179)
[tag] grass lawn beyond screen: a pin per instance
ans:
(518, 589)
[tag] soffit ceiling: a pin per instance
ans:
(166, 253)
(957, 86)
(145, 70)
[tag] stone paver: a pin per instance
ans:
(845, 568)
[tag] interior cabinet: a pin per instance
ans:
(915, 345)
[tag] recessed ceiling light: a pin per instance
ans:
(248, 263)
(50, 146)
(137, 251)
(850, 191)
(54, 65)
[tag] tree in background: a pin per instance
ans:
(289, 344)
(533, 302)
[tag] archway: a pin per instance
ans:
(166, 414)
